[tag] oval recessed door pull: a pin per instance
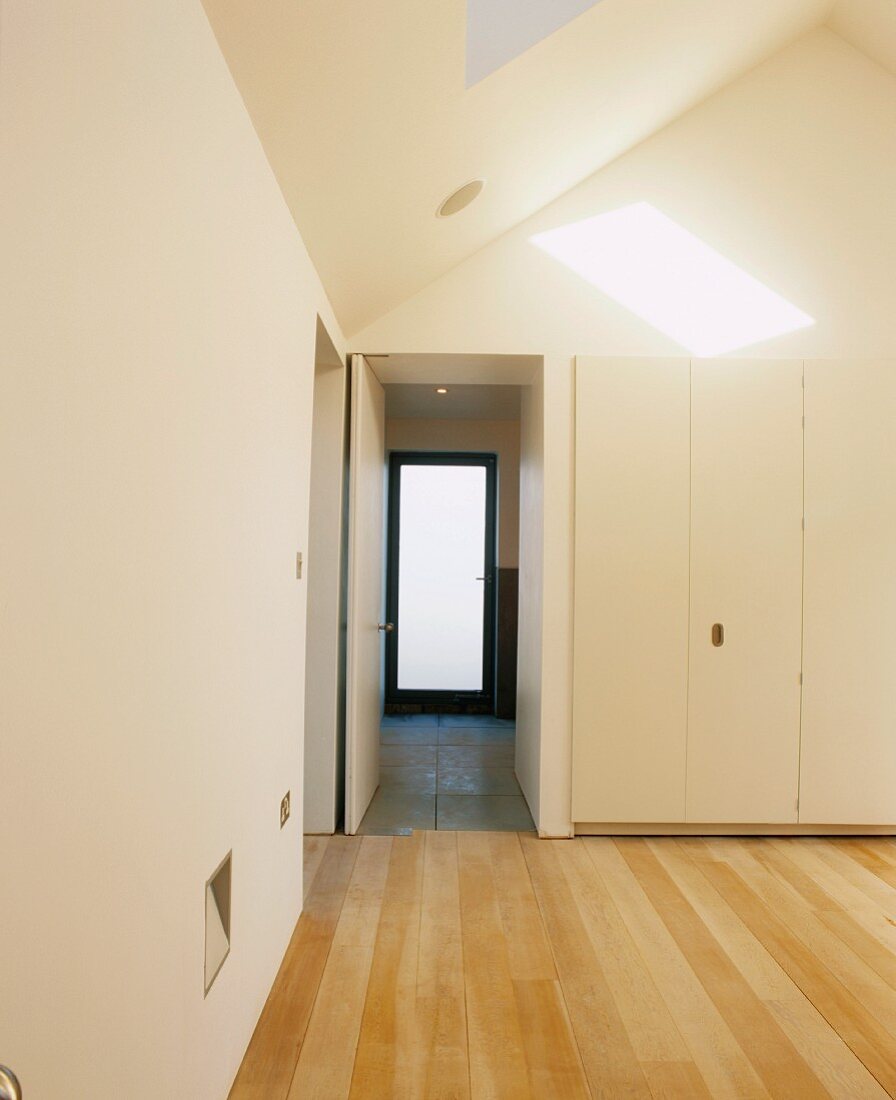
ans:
(10, 1089)
(718, 634)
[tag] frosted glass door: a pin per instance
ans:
(443, 566)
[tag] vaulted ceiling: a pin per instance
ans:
(870, 26)
(368, 121)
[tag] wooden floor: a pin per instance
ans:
(499, 965)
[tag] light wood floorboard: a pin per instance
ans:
(496, 966)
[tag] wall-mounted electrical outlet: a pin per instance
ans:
(284, 809)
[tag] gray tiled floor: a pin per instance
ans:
(394, 755)
(446, 772)
(411, 721)
(490, 811)
(410, 777)
(480, 721)
(475, 735)
(391, 735)
(453, 780)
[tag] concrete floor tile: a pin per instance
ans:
(476, 756)
(409, 720)
(396, 755)
(476, 735)
(478, 720)
(397, 812)
(478, 781)
(401, 735)
(480, 812)
(409, 777)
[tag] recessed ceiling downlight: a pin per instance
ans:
(460, 198)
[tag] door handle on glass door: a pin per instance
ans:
(387, 628)
(487, 580)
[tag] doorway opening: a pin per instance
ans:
(440, 579)
(447, 731)
(363, 411)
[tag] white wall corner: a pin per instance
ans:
(557, 623)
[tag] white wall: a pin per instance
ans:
(325, 578)
(790, 172)
(531, 602)
(544, 664)
(556, 702)
(501, 437)
(158, 330)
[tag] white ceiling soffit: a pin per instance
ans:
(419, 402)
(458, 370)
(870, 26)
(500, 30)
(367, 122)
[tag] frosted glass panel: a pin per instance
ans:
(441, 552)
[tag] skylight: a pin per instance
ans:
(500, 30)
(669, 278)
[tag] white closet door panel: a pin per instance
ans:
(631, 590)
(746, 574)
(849, 693)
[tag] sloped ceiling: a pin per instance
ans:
(870, 26)
(789, 172)
(366, 119)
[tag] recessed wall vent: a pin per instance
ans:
(217, 920)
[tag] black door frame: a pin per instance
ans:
(397, 459)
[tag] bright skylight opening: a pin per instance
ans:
(672, 280)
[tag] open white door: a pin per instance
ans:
(364, 648)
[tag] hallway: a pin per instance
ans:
(446, 771)
(498, 965)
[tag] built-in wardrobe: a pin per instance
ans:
(735, 594)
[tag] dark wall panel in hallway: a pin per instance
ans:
(505, 680)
